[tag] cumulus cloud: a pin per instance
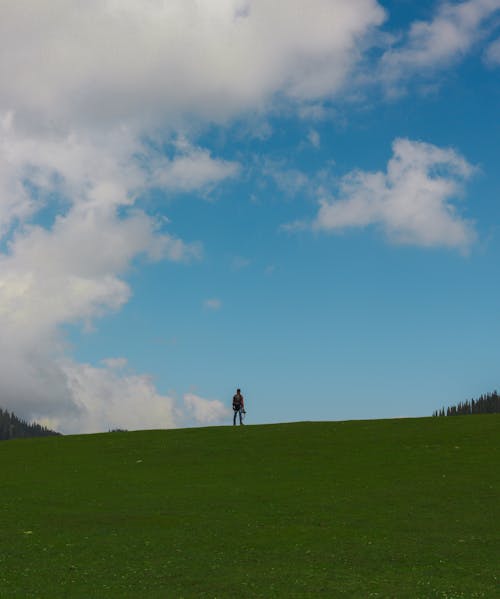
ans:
(430, 45)
(193, 168)
(205, 411)
(112, 168)
(104, 399)
(412, 202)
(72, 268)
(212, 59)
(73, 273)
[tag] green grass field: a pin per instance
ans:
(393, 509)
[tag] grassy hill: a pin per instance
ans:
(392, 509)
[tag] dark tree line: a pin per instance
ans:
(12, 427)
(485, 404)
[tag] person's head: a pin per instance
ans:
(238, 391)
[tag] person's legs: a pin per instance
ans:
(241, 418)
(234, 418)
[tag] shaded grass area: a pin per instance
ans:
(394, 508)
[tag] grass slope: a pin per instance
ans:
(395, 508)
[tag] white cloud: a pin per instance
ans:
(206, 411)
(192, 169)
(73, 273)
(72, 269)
(111, 167)
(64, 61)
(105, 399)
(411, 201)
(448, 37)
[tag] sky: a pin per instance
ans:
(300, 199)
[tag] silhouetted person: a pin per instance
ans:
(238, 406)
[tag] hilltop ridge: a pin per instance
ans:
(389, 508)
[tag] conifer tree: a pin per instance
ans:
(12, 427)
(485, 404)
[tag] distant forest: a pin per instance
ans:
(485, 404)
(12, 427)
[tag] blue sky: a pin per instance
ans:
(298, 199)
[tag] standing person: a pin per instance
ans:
(238, 406)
